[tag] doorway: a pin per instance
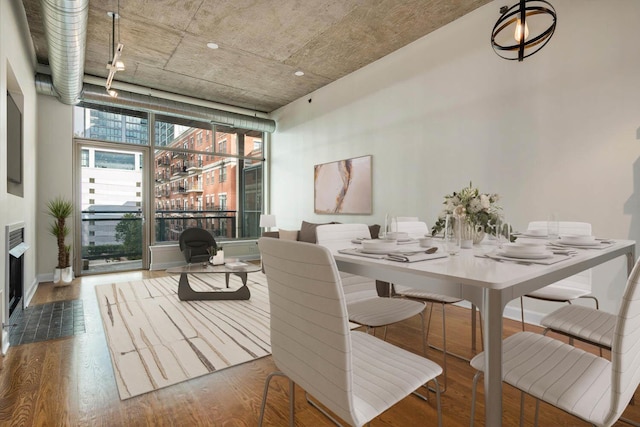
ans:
(111, 224)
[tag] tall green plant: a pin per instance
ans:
(60, 209)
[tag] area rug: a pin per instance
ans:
(156, 340)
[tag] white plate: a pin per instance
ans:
(372, 245)
(536, 235)
(578, 240)
(522, 250)
(531, 245)
(538, 255)
(400, 235)
(376, 251)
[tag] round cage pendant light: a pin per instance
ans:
(529, 23)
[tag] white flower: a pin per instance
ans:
(459, 210)
(474, 205)
(485, 201)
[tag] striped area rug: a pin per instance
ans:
(156, 340)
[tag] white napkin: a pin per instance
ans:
(413, 257)
(353, 251)
(563, 251)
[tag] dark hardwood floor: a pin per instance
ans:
(70, 382)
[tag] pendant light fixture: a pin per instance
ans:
(115, 64)
(530, 22)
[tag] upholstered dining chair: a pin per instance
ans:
(355, 375)
(195, 244)
(571, 288)
(364, 305)
(580, 383)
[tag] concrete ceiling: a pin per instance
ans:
(262, 42)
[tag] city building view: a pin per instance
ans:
(201, 177)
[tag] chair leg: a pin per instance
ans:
(444, 346)
(522, 312)
(474, 312)
(424, 336)
(474, 387)
(429, 320)
(630, 422)
(442, 349)
(436, 390)
(292, 401)
(322, 411)
(266, 391)
(535, 420)
(521, 408)
(438, 406)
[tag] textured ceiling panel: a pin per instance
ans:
(262, 42)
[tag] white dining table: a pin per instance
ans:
(487, 283)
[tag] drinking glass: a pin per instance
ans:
(452, 234)
(553, 226)
(393, 226)
(502, 231)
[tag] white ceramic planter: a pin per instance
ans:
(67, 274)
(57, 275)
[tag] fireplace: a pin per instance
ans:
(14, 288)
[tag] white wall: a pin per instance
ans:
(16, 75)
(55, 177)
(558, 132)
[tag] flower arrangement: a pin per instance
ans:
(479, 209)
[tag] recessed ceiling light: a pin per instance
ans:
(299, 73)
(212, 45)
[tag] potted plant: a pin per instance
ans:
(60, 209)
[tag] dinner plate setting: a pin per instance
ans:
(534, 233)
(525, 251)
(378, 246)
(577, 240)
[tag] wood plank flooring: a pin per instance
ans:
(70, 382)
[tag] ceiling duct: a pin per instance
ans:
(97, 95)
(65, 25)
(94, 94)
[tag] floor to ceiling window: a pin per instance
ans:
(112, 206)
(200, 175)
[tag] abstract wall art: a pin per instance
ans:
(343, 186)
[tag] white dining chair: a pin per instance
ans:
(364, 305)
(580, 383)
(415, 229)
(355, 375)
(406, 219)
(418, 229)
(586, 324)
(571, 288)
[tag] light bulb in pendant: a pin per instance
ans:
(518, 33)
